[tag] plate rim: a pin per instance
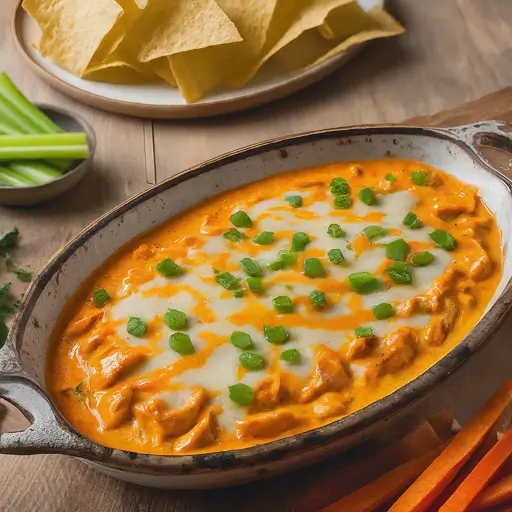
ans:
(288, 86)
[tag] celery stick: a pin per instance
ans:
(45, 139)
(43, 152)
(24, 107)
(37, 172)
(13, 178)
(6, 128)
(16, 121)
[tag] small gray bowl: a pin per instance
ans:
(35, 194)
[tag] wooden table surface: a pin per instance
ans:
(454, 51)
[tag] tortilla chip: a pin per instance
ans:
(167, 27)
(199, 72)
(382, 25)
(312, 48)
(132, 10)
(162, 69)
(345, 21)
(65, 40)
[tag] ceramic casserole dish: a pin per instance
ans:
(23, 357)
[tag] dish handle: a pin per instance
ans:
(491, 134)
(48, 433)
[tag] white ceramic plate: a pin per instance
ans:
(161, 101)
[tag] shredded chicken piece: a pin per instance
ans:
(115, 408)
(435, 333)
(115, 366)
(268, 424)
(452, 205)
(360, 347)
(84, 323)
(203, 434)
(329, 375)
(331, 404)
(162, 421)
(481, 265)
(266, 393)
(143, 252)
(398, 349)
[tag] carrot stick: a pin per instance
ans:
(495, 494)
(385, 488)
(478, 479)
(422, 493)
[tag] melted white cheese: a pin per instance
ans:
(220, 371)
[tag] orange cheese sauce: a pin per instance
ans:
(143, 391)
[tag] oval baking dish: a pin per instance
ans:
(23, 358)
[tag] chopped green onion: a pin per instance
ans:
(339, 187)
(276, 265)
(390, 178)
(313, 268)
(285, 259)
(342, 202)
(363, 282)
(255, 284)
(283, 304)
(300, 241)
(100, 297)
(275, 335)
(265, 238)
(418, 177)
(295, 201)
(238, 294)
(383, 311)
(241, 340)
(374, 232)
(412, 221)
(180, 343)
(367, 196)
(241, 220)
(175, 320)
(241, 394)
(336, 257)
(318, 299)
(292, 356)
(253, 362)
(335, 231)
(364, 332)
(227, 280)
(136, 327)
(442, 239)
(399, 273)
(233, 235)
(168, 268)
(79, 388)
(398, 250)
(251, 268)
(422, 259)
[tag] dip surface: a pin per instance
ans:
(275, 308)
